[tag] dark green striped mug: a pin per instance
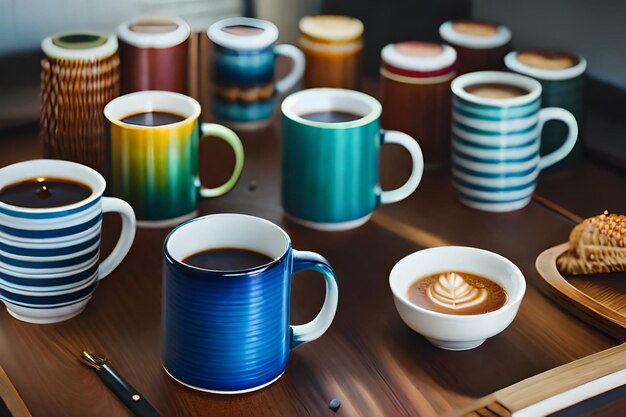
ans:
(331, 140)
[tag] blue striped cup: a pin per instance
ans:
(49, 257)
(496, 141)
(244, 59)
(228, 332)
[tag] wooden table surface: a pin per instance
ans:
(369, 359)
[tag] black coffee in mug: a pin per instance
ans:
(44, 192)
(227, 259)
(153, 118)
(331, 116)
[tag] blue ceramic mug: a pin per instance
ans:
(496, 140)
(228, 331)
(243, 71)
(331, 140)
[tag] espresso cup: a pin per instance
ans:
(228, 332)
(244, 58)
(49, 257)
(155, 168)
(496, 141)
(330, 167)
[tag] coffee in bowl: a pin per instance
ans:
(547, 59)
(331, 116)
(227, 259)
(457, 292)
(44, 192)
(496, 90)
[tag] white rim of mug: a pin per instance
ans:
(447, 32)
(445, 59)
(155, 40)
(54, 51)
(309, 95)
(189, 223)
(243, 43)
(140, 101)
(512, 63)
(498, 77)
(510, 303)
(352, 28)
(60, 171)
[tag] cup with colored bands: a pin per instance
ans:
(243, 70)
(153, 139)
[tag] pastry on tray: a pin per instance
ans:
(596, 245)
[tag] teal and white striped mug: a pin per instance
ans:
(496, 136)
(331, 140)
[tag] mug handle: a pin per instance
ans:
(303, 333)
(127, 235)
(297, 70)
(402, 139)
(230, 137)
(557, 113)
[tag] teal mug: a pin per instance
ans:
(331, 140)
(561, 76)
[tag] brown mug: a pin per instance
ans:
(154, 54)
(480, 45)
(416, 95)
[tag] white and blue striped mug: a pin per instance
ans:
(49, 257)
(496, 141)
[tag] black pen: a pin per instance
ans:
(124, 391)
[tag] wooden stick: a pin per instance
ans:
(11, 397)
(595, 368)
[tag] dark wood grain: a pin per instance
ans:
(369, 360)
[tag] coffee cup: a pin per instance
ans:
(49, 251)
(153, 140)
(496, 138)
(154, 54)
(456, 331)
(561, 75)
(331, 140)
(244, 58)
(226, 329)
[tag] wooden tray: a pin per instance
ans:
(598, 299)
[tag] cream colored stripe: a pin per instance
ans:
(416, 80)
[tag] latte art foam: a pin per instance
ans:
(457, 292)
(452, 291)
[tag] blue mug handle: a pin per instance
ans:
(303, 333)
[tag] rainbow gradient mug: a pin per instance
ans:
(154, 166)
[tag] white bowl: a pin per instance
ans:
(450, 331)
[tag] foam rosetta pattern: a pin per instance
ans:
(495, 153)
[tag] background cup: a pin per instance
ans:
(416, 96)
(333, 46)
(330, 170)
(49, 257)
(79, 76)
(560, 87)
(480, 45)
(450, 331)
(229, 332)
(155, 168)
(244, 70)
(495, 142)
(154, 54)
